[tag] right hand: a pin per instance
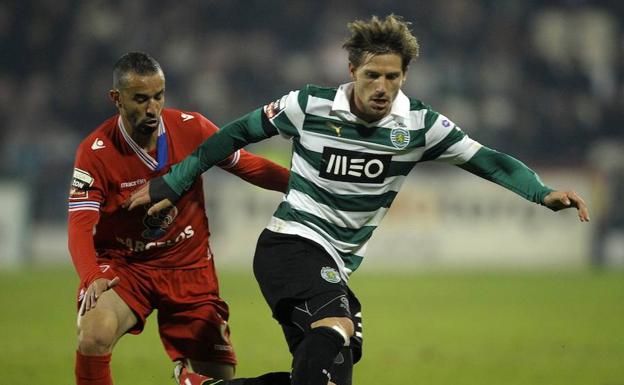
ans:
(559, 200)
(142, 197)
(94, 291)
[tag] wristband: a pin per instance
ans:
(159, 190)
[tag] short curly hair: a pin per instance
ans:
(378, 37)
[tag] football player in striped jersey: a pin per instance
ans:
(353, 146)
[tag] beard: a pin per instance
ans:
(144, 129)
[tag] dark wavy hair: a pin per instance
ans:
(378, 37)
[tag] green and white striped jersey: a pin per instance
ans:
(345, 172)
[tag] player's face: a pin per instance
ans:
(377, 83)
(141, 101)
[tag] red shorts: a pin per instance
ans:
(192, 318)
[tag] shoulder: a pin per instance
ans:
(314, 91)
(180, 118)
(320, 92)
(95, 152)
(417, 105)
(423, 113)
(192, 126)
(184, 120)
(100, 139)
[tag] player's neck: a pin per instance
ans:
(146, 141)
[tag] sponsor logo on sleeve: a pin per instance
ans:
(186, 117)
(81, 182)
(273, 109)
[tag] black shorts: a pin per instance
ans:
(301, 284)
(290, 269)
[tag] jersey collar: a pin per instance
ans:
(161, 147)
(399, 111)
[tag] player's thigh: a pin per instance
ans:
(192, 319)
(291, 269)
(108, 321)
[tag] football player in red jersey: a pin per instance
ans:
(131, 263)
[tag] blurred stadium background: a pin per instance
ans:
(495, 278)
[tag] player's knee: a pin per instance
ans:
(97, 334)
(342, 325)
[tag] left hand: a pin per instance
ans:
(94, 291)
(559, 200)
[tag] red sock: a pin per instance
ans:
(93, 370)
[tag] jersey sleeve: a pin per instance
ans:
(250, 128)
(249, 167)
(260, 172)
(207, 130)
(508, 172)
(288, 113)
(446, 142)
(86, 194)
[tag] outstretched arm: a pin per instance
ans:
(167, 189)
(514, 175)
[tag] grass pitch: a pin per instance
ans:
(555, 328)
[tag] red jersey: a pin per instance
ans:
(110, 165)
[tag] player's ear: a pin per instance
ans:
(352, 70)
(113, 95)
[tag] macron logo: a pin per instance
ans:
(186, 117)
(97, 144)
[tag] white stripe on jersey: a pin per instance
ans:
(320, 107)
(438, 131)
(460, 152)
(347, 219)
(293, 110)
(317, 235)
(417, 119)
(316, 141)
